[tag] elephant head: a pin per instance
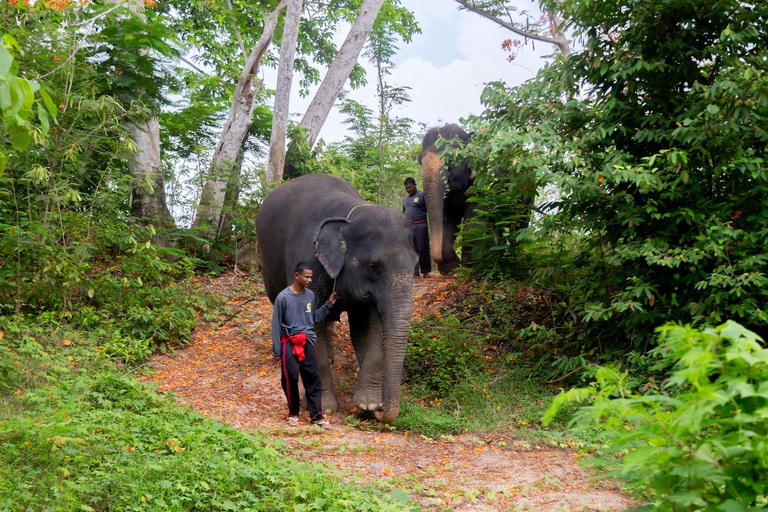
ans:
(445, 187)
(369, 255)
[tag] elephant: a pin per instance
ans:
(446, 208)
(361, 251)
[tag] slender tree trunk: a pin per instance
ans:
(340, 69)
(208, 216)
(148, 203)
(276, 161)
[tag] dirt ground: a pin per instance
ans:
(227, 373)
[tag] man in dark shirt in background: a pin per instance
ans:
(415, 210)
(293, 344)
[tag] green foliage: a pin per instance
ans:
(466, 370)
(75, 434)
(700, 439)
(651, 144)
(440, 355)
(19, 103)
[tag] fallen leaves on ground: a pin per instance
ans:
(228, 373)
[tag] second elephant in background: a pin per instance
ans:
(445, 190)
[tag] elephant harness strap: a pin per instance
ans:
(298, 341)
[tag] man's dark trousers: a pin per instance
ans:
(420, 243)
(291, 368)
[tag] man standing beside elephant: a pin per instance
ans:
(415, 209)
(293, 344)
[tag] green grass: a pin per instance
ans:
(78, 433)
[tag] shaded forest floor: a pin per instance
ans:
(227, 373)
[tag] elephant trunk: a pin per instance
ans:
(434, 193)
(396, 323)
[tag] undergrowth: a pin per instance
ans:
(468, 369)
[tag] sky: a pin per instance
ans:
(446, 67)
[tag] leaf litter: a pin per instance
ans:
(227, 373)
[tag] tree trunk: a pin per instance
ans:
(208, 216)
(340, 69)
(148, 203)
(276, 161)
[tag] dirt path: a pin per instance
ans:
(228, 374)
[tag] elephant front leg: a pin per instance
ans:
(330, 404)
(450, 258)
(365, 331)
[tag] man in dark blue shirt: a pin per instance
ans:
(293, 342)
(415, 209)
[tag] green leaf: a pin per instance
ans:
(42, 115)
(49, 104)
(6, 59)
(20, 138)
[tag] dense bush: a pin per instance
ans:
(649, 150)
(699, 438)
(440, 355)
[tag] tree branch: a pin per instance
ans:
(559, 40)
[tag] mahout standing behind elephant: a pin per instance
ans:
(362, 251)
(447, 206)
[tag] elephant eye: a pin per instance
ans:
(374, 270)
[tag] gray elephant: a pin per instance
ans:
(363, 251)
(446, 207)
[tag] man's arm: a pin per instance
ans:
(277, 326)
(321, 313)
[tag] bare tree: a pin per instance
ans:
(501, 13)
(208, 216)
(340, 69)
(283, 91)
(148, 203)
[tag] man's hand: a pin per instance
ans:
(334, 296)
(276, 359)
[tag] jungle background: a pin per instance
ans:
(637, 287)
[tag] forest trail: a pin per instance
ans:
(227, 373)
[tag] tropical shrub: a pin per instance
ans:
(698, 439)
(652, 142)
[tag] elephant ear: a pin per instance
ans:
(330, 246)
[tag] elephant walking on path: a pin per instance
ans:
(362, 251)
(445, 190)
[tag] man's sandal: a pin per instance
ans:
(322, 423)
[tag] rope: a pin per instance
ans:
(356, 207)
(350, 213)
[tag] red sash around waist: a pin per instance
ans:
(298, 341)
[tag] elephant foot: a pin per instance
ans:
(447, 268)
(367, 401)
(330, 404)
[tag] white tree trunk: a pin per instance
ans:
(233, 134)
(340, 69)
(276, 161)
(148, 204)
(148, 194)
